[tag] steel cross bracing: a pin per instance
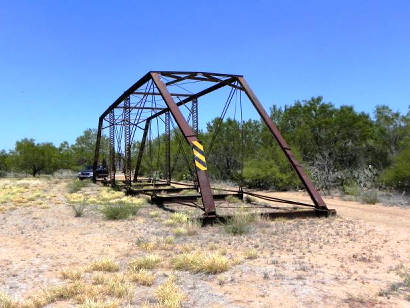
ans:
(159, 96)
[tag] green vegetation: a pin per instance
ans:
(340, 147)
(116, 211)
(240, 223)
(76, 185)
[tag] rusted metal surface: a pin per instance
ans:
(138, 107)
(314, 195)
(203, 180)
(141, 150)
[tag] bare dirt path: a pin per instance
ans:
(393, 218)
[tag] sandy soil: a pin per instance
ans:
(343, 261)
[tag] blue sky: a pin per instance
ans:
(63, 62)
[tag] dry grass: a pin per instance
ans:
(104, 265)
(117, 287)
(169, 295)
(210, 263)
(251, 254)
(177, 219)
(91, 303)
(147, 262)
(154, 214)
(232, 199)
(15, 193)
(6, 301)
(71, 274)
(142, 277)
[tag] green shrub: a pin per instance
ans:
(78, 208)
(267, 173)
(232, 199)
(76, 185)
(119, 210)
(369, 197)
(239, 223)
(351, 188)
(398, 175)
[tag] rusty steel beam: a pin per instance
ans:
(127, 93)
(141, 150)
(197, 95)
(205, 187)
(158, 94)
(194, 116)
(97, 149)
(165, 73)
(140, 108)
(168, 147)
(127, 140)
(178, 79)
(313, 193)
(112, 149)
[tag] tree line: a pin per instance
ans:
(338, 146)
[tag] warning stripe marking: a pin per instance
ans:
(198, 145)
(199, 155)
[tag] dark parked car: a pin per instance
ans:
(87, 173)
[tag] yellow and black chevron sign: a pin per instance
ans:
(199, 155)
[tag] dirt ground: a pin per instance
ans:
(356, 259)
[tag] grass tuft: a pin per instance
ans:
(251, 254)
(369, 197)
(6, 301)
(76, 185)
(177, 219)
(78, 208)
(210, 263)
(91, 303)
(147, 262)
(71, 274)
(169, 295)
(142, 277)
(104, 265)
(240, 223)
(119, 210)
(232, 199)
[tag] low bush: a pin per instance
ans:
(78, 208)
(351, 188)
(232, 199)
(398, 175)
(240, 223)
(119, 210)
(369, 197)
(76, 185)
(169, 295)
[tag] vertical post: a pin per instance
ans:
(141, 150)
(313, 193)
(197, 148)
(168, 147)
(127, 140)
(194, 115)
(112, 147)
(97, 149)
